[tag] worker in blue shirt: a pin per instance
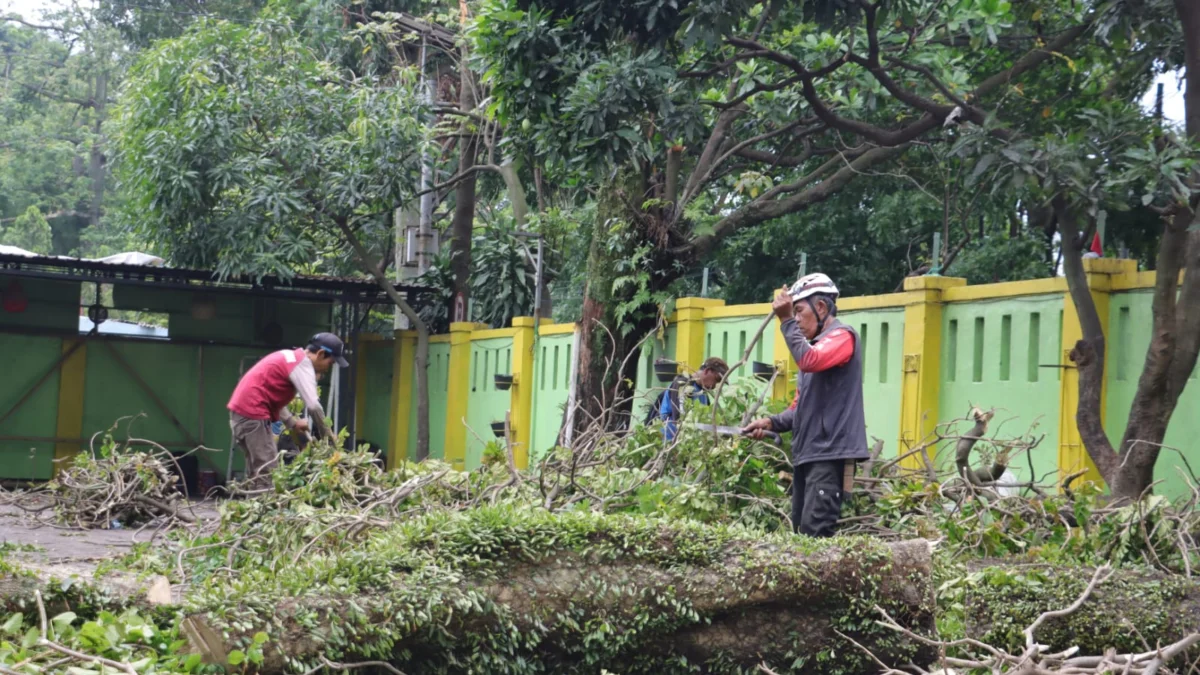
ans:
(669, 404)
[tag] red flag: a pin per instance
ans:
(1096, 248)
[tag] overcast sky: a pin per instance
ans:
(1172, 92)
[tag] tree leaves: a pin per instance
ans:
(241, 148)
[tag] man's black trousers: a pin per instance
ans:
(817, 497)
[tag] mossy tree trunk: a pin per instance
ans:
(570, 611)
(630, 264)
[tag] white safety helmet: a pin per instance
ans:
(812, 284)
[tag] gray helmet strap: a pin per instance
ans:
(820, 319)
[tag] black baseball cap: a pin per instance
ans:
(332, 344)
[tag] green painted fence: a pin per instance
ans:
(438, 380)
(647, 387)
(374, 394)
(995, 346)
(486, 402)
(37, 417)
(552, 381)
(1004, 354)
(881, 333)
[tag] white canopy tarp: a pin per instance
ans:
(128, 258)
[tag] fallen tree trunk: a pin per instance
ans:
(67, 585)
(631, 595)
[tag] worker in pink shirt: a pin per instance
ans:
(262, 395)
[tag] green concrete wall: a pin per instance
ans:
(1128, 339)
(993, 356)
(438, 376)
(727, 338)
(881, 332)
(486, 403)
(647, 387)
(552, 379)
(38, 415)
(377, 394)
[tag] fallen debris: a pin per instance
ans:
(115, 486)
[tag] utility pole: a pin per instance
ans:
(399, 322)
(416, 246)
(935, 265)
(425, 233)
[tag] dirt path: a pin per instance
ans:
(62, 553)
(58, 544)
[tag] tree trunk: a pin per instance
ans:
(1175, 324)
(747, 604)
(97, 171)
(609, 331)
(463, 226)
(1087, 354)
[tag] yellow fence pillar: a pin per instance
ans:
(919, 391)
(458, 390)
(404, 350)
(689, 330)
(784, 387)
(1072, 456)
(70, 403)
(521, 417)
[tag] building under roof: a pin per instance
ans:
(75, 370)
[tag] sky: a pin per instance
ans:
(1172, 91)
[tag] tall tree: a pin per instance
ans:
(243, 151)
(1097, 153)
(463, 226)
(714, 117)
(1165, 170)
(59, 75)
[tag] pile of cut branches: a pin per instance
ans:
(122, 484)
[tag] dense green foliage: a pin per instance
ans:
(406, 565)
(574, 94)
(503, 281)
(59, 78)
(244, 151)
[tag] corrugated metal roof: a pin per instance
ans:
(118, 269)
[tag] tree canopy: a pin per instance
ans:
(655, 137)
(243, 151)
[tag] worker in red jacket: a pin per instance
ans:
(262, 396)
(827, 421)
